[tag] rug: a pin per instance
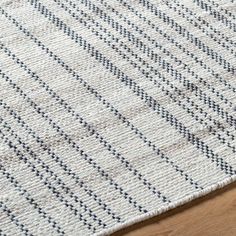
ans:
(112, 111)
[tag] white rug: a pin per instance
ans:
(112, 111)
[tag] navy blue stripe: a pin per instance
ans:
(75, 146)
(185, 82)
(31, 201)
(138, 91)
(167, 66)
(216, 14)
(207, 24)
(196, 25)
(60, 162)
(180, 46)
(85, 125)
(108, 105)
(46, 183)
(198, 143)
(59, 181)
(14, 219)
(138, 43)
(226, 11)
(190, 37)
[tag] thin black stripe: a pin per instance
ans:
(124, 120)
(207, 100)
(59, 161)
(168, 67)
(46, 183)
(75, 146)
(216, 15)
(139, 44)
(207, 24)
(85, 124)
(14, 219)
(190, 37)
(59, 181)
(31, 201)
(196, 25)
(187, 83)
(152, 103)
(180, 46)
(99, 97)
(108, 19)
(226, 11)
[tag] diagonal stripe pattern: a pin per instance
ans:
(112, 111)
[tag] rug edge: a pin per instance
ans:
(162, 210)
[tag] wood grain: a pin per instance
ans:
(212, 215)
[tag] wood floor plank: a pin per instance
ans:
(212, 215)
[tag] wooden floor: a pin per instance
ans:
(212, 215)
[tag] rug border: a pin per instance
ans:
(173, 205)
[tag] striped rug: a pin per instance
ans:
(112, 111)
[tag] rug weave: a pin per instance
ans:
(112, 111)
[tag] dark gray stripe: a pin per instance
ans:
(138, 91)
(60, 162)
(180, 46)
(169, 68)
(187, 83)
(14, 219)
(77, 148)
(143, 48)
(207, 24)
(198, 143)
(85, 125)
(221, 18)
(46, 183)
(108, 105)
(190, 37)
(31, 201)
(226, 11)
(59, 181)
(198, 26)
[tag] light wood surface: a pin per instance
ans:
(212, 215)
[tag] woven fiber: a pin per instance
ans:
(112, 111)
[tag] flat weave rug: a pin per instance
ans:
(112, 111)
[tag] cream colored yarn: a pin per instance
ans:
(112, 111)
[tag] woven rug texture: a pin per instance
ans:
(112, 111)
